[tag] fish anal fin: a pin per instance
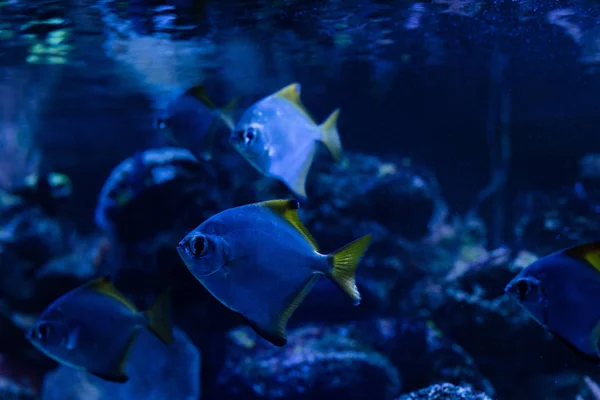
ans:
(590, 357)
(275, 329)
(158, 318)
(111, 378)
(105, 286)
(589, 252)
(292, 93)
(117, 371)
(344, 262)
(288, 210)
(199, 93)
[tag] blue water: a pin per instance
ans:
(482, 110)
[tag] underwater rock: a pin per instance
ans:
(564, 217)
(154, 193)
(317, 363)
(17, 382)
(445, 391)
(552, 221)
(63, 273)
(422, 353)
(28, 240)
(383, 352)
(156, 372)
(400, 197)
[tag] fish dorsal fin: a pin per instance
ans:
(105, 286)
(199, 93)
(288, 210)
(292, 94)
(589, 252)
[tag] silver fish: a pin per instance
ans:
(561, 291)
(260, 261)
(278, 136)
(192, 121)
(93, 327)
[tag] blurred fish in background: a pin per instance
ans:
(166, 144)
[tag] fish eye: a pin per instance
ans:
(249, 134)
(524, 287)
(162, 123)
(42, 331)
(199, 246)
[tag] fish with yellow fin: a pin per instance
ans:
(94, 326)
(194, 126)
(260, 261)
(278, 136)
(559, 291)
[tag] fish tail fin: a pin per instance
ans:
(227, 112)
(331, 136)
(344, 262)
(198, 92)
(158, 318)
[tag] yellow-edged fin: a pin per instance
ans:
(199, 93)
(588, 251)
(227, 113)
(344, 262)
(275, 329)
(105, 286)
(292, 94)
(331, 136)
(158, 318)
(288, 210)
(117, 372)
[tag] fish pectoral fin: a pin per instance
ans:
(293, 171)
(292, 93)
(199, 93)
(105, 286)
(344, 262)
(274, 328)
(158, 318)
(589, 252)
(73, 338)
(288, 210)
(331, 136)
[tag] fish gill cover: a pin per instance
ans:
(285, 199)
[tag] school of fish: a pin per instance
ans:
(260, 261)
